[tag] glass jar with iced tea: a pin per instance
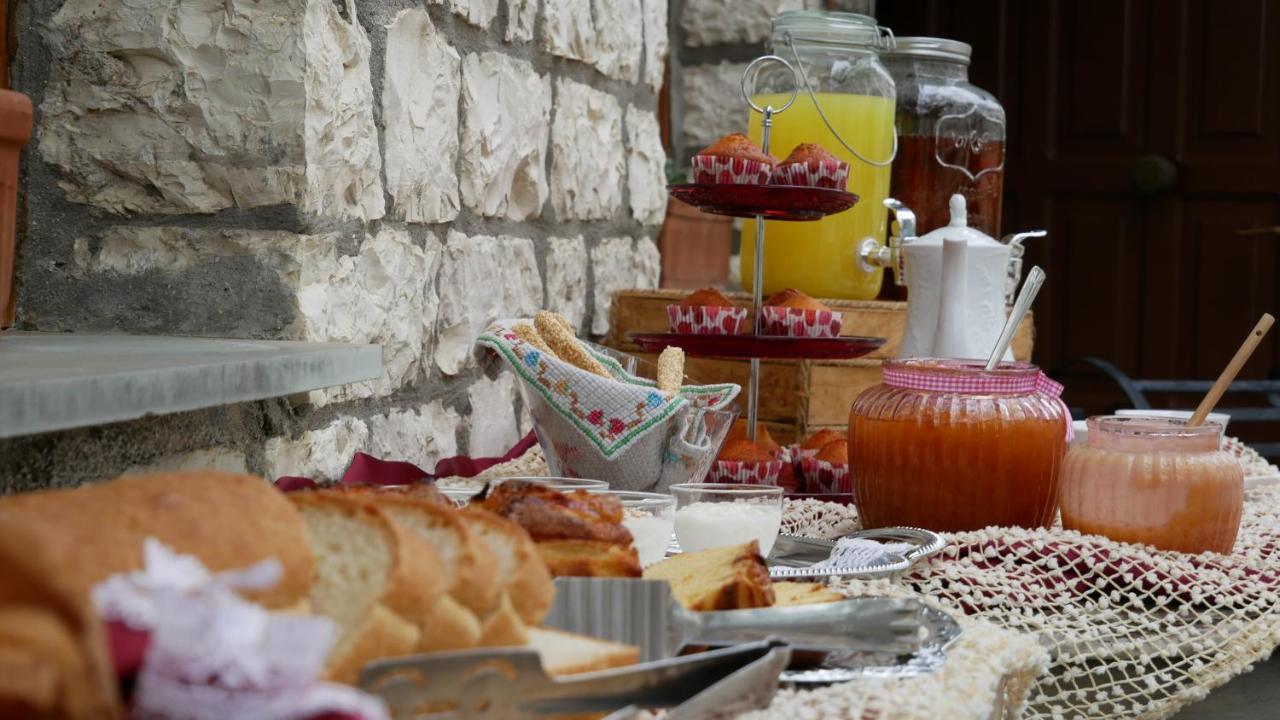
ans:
(1155, 481)
(947, 445)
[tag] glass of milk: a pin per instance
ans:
(711, 515)
(650, 517)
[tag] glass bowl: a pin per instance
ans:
(711, 515)
(563, 484)
(692, 439)
(650, 517)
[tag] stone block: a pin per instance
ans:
(322, 454)
(713, 104)
(476, 12)
(521, 285)
(656, 42)
(522, 15)
(567, 278)
(713, 22)
(424, 435)
(506, 109)
(190, 108)
(646, 167)
(588, 166)
(495, 428)
(620, 264)
(216, 458)
(567, 29)
(420, 90)
(469, 300)
(619, 28)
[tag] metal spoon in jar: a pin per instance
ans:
(1026, 296)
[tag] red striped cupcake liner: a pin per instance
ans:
(706, 320)
(745, 473)
(798, 322)
(815, 173)
(821, 477)
(712, 170)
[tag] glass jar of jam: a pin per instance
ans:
(1154, 481)
(947, 445)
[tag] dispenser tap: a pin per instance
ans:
(872, 255)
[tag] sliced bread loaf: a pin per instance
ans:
(528, 581)
(566, 653)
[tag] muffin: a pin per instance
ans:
(827, 472)
(706, 312)
(733, 160)
(794, 314)
(745, 462)
(811, 165)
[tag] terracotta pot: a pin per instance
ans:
(15, 130)
(695, 247)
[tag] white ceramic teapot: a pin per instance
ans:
(958, 280)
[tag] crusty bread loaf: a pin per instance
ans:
(503, 627)
(528, 581)
(228, 521)
(378, 582)
(734, 577)
(566, 653)
(803, 593)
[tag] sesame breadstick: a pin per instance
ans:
(565, 345)
(529, 334)
(671, 370)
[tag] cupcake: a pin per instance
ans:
(811, 166)
(733, 160)
(706, 312)
(745, 462)
(827, 472)
(794, 314)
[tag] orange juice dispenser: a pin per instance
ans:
(846, 104)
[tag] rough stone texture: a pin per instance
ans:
(468, 299)
(588, 165)
(656, 42)
(423, 436)
(619, 38)
(617, 264)
(712, 22)
(506, 110)
(476, 12)
(322, 454)
(567, 279)
(646, 167)
(420, 119)
(567, 29)
(494, 425)
(713, 104)
(521, 284)
(522, 15)
(344, 167)
(224, 459)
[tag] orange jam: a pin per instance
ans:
(955, 460)
(1154, 481)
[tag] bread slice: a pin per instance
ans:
(371, 579)
(504, 627)
(566, 653)
(528, 580)
(734, 577)
(801, 593)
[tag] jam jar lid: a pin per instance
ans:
(832, 28)
(931, 48)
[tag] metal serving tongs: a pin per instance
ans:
(511, 684)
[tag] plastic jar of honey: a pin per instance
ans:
(1154, 481)
(946, 445)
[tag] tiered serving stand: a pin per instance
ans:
(762, 202)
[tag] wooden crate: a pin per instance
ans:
(797, 397)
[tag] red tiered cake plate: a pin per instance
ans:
(774, 202)
(776, 347)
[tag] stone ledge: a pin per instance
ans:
(54, 381)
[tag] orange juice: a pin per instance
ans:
(821, 258)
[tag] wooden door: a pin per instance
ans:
(1145, 137)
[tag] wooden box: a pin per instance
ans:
(797, 397)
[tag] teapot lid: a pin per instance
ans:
(957, 229)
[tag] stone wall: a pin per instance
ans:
(369, 171)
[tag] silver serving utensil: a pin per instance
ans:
(794, 556)
(511, 684)
(1030, 287)
(643, 612)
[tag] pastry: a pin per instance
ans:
(743, 450)
(827, 472)
(577, 533)
(726, 578)
(529, 334)
(794, 314)
(811, 165)
(733, 160)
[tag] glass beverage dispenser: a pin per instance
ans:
(848, 90)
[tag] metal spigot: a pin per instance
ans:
(1016, 251)
(873, 256)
